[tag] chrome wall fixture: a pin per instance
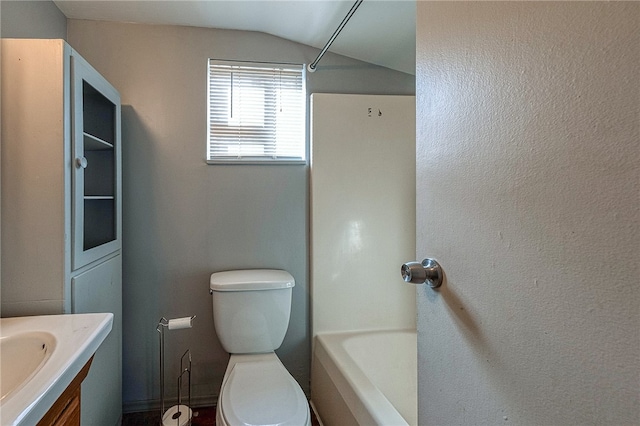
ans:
(428, 272)
(312, 66)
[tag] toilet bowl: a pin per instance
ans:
(251, 310)
(258, 390)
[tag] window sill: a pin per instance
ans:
(257, 162)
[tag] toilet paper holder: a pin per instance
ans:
(181, 414)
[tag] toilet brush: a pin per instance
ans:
(177, 415)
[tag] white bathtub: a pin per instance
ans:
(365, 378)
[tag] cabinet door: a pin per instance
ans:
(99, 289)
(97, 227)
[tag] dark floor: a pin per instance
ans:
(203, 416)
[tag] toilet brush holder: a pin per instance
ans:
(180, 414)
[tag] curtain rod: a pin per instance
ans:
(312, 66)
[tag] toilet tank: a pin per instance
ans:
(251, 309)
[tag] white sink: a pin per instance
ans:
(21, 356)
(40, 356)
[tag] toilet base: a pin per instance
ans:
(259, 373)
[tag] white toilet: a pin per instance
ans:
(251, 311)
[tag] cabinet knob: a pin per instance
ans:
(81, 163)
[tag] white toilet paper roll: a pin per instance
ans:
(178, 415)
(179, 323)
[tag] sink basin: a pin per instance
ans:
(40, 356)
(21, 356)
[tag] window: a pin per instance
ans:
(256, 113)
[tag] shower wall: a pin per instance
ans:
(362, 211)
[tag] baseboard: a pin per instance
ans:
(154, 404)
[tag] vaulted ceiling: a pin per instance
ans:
(380, 32)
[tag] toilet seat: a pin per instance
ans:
(262, 393)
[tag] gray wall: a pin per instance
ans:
(184, 219)
(32, 19)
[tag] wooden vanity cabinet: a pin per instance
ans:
(66, 410)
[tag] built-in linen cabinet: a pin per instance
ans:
(96, 164)
(61, 200)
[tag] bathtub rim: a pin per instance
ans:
(352, 383)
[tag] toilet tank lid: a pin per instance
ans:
(251, 279)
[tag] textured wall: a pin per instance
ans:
(184, 219)
(528, 141)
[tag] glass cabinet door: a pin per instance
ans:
(96, 165)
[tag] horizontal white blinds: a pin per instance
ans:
(256, 112)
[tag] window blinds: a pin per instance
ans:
(256, 112)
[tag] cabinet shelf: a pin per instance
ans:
(97, 220)
(99, 224)
(99, 197)
(93, 143)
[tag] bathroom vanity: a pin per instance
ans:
(61, 201)
(44, 362)
(66, 410)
